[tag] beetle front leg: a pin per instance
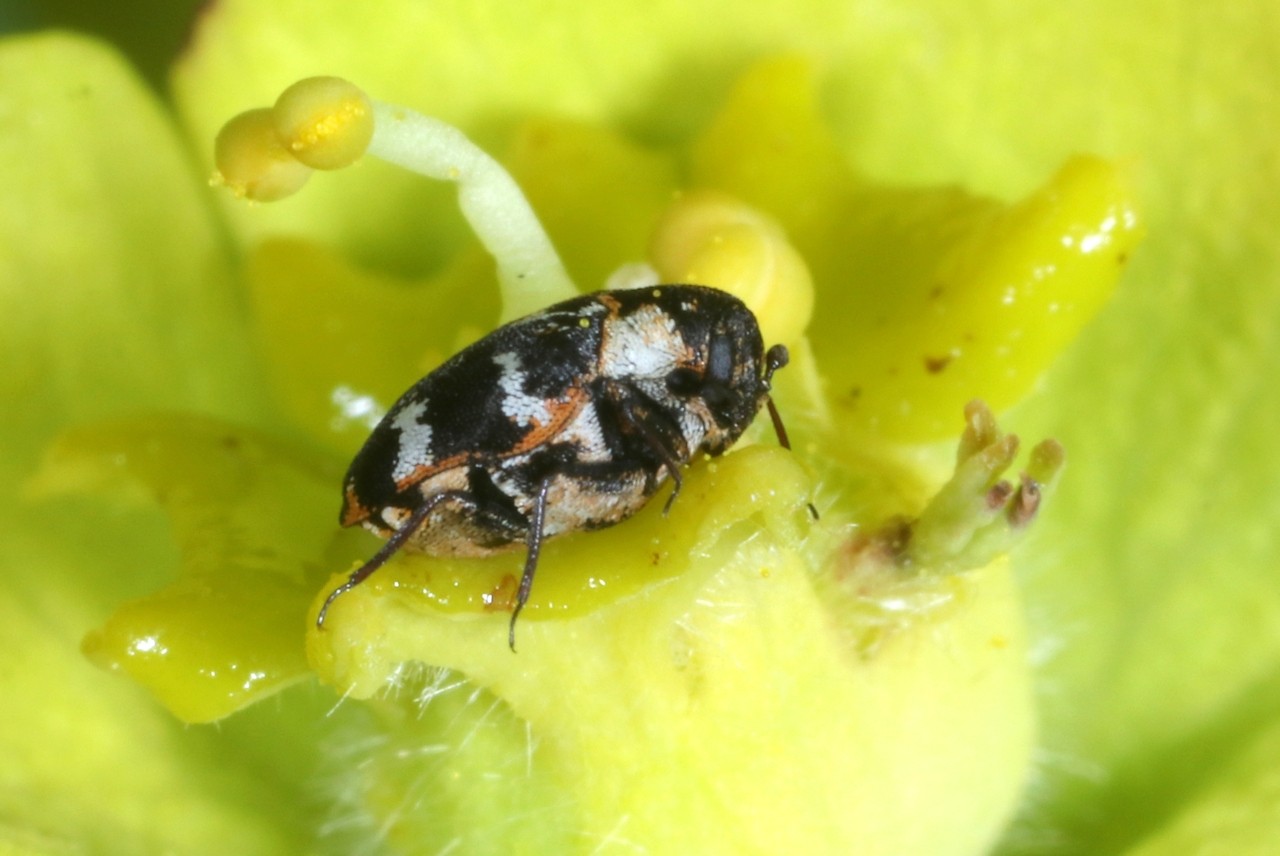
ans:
(643, 420)
(531, 557)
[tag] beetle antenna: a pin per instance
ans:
(777, 357)
(778, 428)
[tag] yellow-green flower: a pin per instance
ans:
(153, 343)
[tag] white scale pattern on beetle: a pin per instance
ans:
(585, 432)
(518, 405)
(393, 515)
(644, 344)
(695, 425)
(415, 440)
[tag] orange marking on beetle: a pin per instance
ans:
(562, 412)
(352, 511)
(426, 471)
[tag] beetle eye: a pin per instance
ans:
(720, 361)
(684, 382)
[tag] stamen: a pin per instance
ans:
(711, 238)
(976, 515)
(325, 122)
(328, 123)
(253, 163)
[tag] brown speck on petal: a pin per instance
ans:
(503, 596)
(934, 365)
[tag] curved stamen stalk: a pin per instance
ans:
(529, 270)
(328, 123)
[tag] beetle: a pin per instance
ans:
(567, 419)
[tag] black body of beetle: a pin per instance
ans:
(567, 419)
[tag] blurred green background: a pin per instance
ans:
(150, 31)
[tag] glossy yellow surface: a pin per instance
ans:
(251, 520)
(579, 574)
(930, 297)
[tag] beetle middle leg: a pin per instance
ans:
(531, 557)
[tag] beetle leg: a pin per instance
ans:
(394, 543)
(654, 440)
(531, 557)
(774, 359)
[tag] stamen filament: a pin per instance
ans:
(530, 273)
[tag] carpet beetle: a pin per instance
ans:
(564, 420)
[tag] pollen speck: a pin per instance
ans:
(326, 122)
